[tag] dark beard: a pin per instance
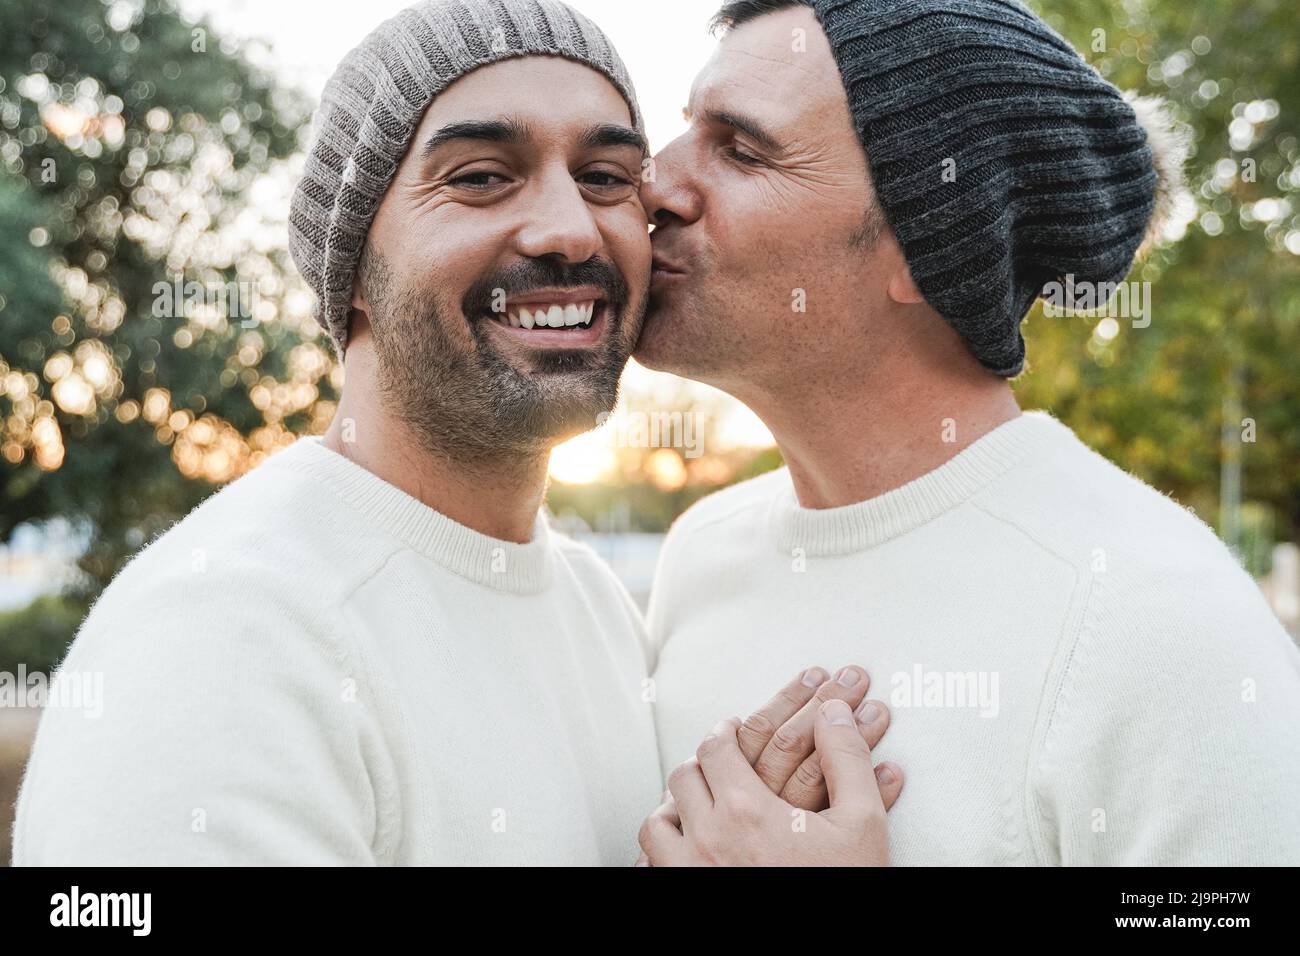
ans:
(476, 407)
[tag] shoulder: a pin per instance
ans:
(273, 527)
(1168, 607)
(1073, 501)
(267, 558)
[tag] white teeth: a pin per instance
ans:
(551, 316)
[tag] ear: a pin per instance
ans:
(902, 289)
(359, 302)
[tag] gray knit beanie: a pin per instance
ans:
(375, 100)
(1002, 160)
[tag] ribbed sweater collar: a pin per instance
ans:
(502, 565)
(865, 524)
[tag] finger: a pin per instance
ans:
(725, 768)
(759, 727)
(806, 788)
(889, 776)
(793, 741)
(690, 793)
(661, 842)
(669, 809)
(846, 763)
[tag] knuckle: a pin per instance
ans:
(808, 775)
(708, 746)
(679, 774)
(795, 696)
(788, 741)
(758, 725)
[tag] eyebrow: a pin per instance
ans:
(515, 133)
(491, 131)
(613, 134)
(744, 124)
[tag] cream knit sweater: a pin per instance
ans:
(315, 668)
(1078, 670)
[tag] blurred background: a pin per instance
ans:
(148, 148)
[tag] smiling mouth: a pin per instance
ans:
(545, 316)
(553, 320)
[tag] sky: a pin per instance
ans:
(663, 43)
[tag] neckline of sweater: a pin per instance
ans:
(867, 524)
(492, 562)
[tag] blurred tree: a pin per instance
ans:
(1223, 347)
(140, 155)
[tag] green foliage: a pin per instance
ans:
(1225, 299)
(37, 636)
(128, 147)
(132, 148)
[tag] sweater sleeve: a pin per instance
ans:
(223, 733)
(1174, 737)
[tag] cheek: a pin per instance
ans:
(444, 259)
(629, 247)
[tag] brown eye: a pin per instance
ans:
(603, 180)
(481, 180)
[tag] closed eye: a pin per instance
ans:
(745, 159)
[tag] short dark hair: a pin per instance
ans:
(736, 12)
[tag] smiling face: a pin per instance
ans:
(504, 277)
(771, 256)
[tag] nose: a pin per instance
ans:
(670, 195)
(561, 224)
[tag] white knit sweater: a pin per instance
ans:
(315, 668)
(1078, 670)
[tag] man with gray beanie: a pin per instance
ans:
(372, 649)
(869, 198)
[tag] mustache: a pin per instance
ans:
(526, 275)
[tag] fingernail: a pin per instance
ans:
(848, 677)
(838, 713)
(869, 712)
(719, 728)
(885, 774)
(813, 677)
